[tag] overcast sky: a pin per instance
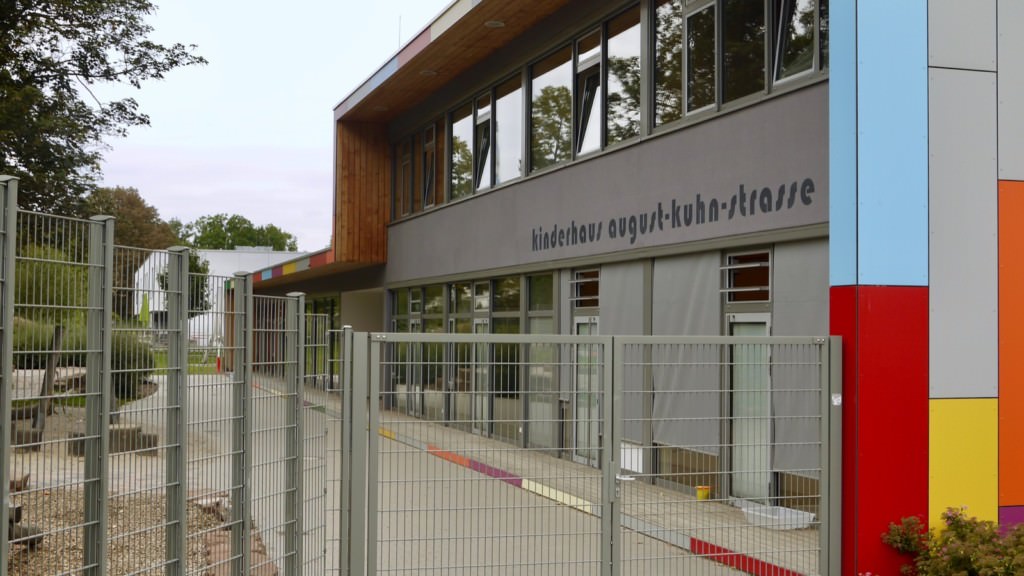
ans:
(251, 133)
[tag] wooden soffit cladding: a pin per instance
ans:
(464, 35)
(361, 207)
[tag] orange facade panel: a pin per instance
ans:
(1011, 342)
(363, 179)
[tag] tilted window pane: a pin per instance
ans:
(551, 110)
(700, 59)
(743, 44)
(624, 77)
(795, 44)
(508, 127)
(588, 109)
(588, 93)
(483, 155)
(668, 62)
(429, 167)
(461, 181)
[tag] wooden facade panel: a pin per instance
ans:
(363, 179)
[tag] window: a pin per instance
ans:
(461, 298)
(586, 288)
(482, 296)
(506, 294)
(794, 46)
(461, 163)
(701, 81)
(748, 277)
(482, 156)
(668, 61)
(508, 127)
(588, 93)
(743, 48)
(551, 110)
(623, 120)
(429, 167)
(541, 292)
(402, 194)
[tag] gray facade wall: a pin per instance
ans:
(686, 301)
(800, 288)
(664, 191)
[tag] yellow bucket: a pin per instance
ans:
(703, 492)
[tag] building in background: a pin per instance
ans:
(715, 167)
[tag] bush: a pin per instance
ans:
(132, 360)
(966, 546)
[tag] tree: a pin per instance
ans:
(198, 283)
(52, 53)
(226, 232)
(137, 224)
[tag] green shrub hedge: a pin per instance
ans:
(132, 360)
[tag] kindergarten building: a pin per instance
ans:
(716, 167)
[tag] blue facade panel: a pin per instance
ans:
(842, 144)
(892, 143)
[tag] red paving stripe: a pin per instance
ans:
(736, 560)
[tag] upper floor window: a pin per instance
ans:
(482, 147)
(461, 163)
(588, 93)
(623, 119)
(551, 110)
(403, 193)
(509, 126)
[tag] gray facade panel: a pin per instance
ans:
(622, 308)
(799, 308)
(760, 168)
(963, 242)
(687, 382)
(800, 288)
(1011, 90)
(962, 34)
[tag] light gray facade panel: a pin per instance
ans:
(622, 308)
(686, 301)
(760, 168)
(962, 34)
(800, 288)
(1011, 90)
(622, 298)
(686, 295)
(963, 242)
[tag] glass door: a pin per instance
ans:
(751, 417)
(586, 394)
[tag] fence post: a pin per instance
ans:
(831, 355)
(294, 334)
(241, 431)
(98, 390)
(372, 453)
(9, 205)
(176, 474)
(611, 396)
(345, 445)
(358, 468)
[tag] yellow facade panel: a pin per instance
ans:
(963, 467)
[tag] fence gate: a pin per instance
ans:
(486, 454)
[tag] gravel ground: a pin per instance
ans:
(140, 551)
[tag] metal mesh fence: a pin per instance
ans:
(597, 455)
(469, 477)
(153, 420)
